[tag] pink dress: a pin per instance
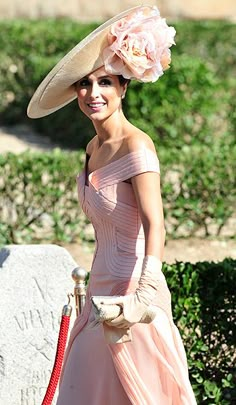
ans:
(151, 369)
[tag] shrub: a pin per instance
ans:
(203, 301)
(213, 41)
(187, 106)
(199, 188)
(38, 198)
(29, 50)
(193, 102)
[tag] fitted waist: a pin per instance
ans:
(123, 243)
(109, 261)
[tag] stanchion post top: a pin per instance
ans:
(79, 275)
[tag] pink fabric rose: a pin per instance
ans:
(139, 46)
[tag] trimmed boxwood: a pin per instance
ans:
(203, 301)
(38, 197)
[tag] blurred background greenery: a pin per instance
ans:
(193, 103)
(190, 115)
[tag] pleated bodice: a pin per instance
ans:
(109, 202)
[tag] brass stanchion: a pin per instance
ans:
(79, 276)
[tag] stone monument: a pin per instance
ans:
(34, 282)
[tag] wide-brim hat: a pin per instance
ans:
(58, 87)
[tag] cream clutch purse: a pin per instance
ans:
(104, 312)
(107, 312)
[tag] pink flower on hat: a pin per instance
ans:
(139, 46)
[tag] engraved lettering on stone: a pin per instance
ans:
(54, 321)
(44, 293)
(2, 370)
(39, 288)
(40, 318)
(39, 376)
(21, 321)
(2, 366)
(42, 347)
(31, 319)
(32, 395)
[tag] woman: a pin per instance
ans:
(135, 356)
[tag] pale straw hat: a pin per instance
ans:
(107, 45)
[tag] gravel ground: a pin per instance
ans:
(20, 138)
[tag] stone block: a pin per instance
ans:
(34, 282)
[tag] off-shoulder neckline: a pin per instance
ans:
(115, 161)
(88, 177)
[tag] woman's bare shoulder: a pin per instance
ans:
(138, 139)
(90, 146)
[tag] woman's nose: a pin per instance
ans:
(94, 90)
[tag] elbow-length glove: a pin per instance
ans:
(134, 306)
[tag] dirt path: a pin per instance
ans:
(187, 250)
(20, 138)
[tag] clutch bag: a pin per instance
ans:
(104, 312)
(108, 312)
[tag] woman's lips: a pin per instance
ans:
(96, 106)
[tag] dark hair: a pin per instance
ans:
(123, 80)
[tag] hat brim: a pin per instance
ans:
(57, 89)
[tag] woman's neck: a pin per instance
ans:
(111, 128)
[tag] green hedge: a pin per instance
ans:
(194, 102)
(199, 188)
(203, 301)
(38, 197)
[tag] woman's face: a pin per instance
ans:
(99, 94)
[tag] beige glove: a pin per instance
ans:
(134, 306)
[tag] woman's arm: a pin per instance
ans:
(148, 196)
(147, 191)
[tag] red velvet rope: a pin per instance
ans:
(61, 344)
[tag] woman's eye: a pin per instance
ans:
(105, 82)
(83, 83)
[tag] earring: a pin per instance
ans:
(123, 96)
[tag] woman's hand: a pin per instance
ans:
(134, 306)
(132, 310)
